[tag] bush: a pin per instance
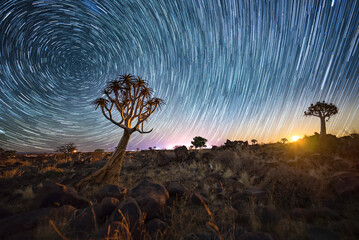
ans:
(291, 188)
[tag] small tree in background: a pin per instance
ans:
(284, 140)
(324, 111)
(254, 141)
(67, 149)
(199, 142)
(127, 103)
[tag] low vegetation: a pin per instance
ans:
(308, 189)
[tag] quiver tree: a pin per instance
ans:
(67, 149)
(199, 142)
(324, 111)
(127, 103)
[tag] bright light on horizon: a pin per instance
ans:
(295, 138)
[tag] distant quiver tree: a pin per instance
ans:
(67, 149)
(127, 102)
(199, 142)
(284, 140)
(324, 111)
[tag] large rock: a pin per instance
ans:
(132, 213)
(110, 190)
(175, 189)
(151, 198)
(181, 153)
(55, 195)
(84, 220)
(28, 221)
(345, 183)
(156, 227)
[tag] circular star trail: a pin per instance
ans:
(231, 69)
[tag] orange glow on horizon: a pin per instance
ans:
(295, 138)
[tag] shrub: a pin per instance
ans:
(291, 188)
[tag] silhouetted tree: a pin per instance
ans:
(284, 140)
(324, 111)
(67, 149)
(254, 141)
(199, 142)
(127, 103)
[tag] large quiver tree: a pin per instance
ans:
(324, 111)
(127, 103)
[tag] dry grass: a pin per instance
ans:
(16, 172)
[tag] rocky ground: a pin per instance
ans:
(303, 190)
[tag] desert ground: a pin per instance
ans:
(308, 189)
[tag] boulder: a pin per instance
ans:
(345, 183)
(156, 227)
(181, 153)
(175, 189)
(85, 220)
(107, 206)
(30, 220)
(55, 195)
(110, 190)
(129, 209)
(151, 198)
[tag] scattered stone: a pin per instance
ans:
(151, 198)
(110, 190)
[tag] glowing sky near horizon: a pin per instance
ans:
(230, 69)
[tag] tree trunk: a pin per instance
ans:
(323, 130)
(110, 173)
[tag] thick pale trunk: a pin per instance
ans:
(323, 130)
(110, 173)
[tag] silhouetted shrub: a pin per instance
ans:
(291, 188)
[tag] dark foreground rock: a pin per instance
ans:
(110, 190)
(151, 197)
(55, 195)
(28, 221)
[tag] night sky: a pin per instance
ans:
(231, 69)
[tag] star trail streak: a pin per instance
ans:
(230, 69)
